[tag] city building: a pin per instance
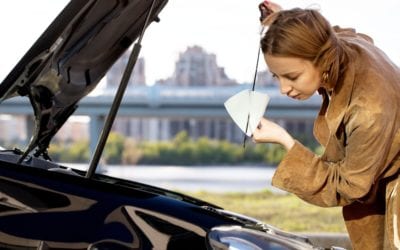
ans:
(114, 75)
(196, 67)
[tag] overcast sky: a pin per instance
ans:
(228, 29)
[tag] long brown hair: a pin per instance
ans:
(306, 34)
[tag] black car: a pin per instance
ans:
(45, 205)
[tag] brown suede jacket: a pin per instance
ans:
(359, 125)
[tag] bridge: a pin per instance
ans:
(170, 102)
(163, 101)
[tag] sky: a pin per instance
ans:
(228, 29)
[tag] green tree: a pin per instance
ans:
(227, 153)
(181, 138)
(114, 148)
(150, 153)
(254, 153)
(131, 153)
(205, 150)
(274, 154)
(181, 150)
(77, 152)
(56, 150)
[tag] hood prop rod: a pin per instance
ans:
(117, 100)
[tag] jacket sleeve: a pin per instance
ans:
(322, 182)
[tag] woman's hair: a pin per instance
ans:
(306, 34)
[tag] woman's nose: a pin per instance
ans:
(285, 87)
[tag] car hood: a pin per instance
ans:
(72, 55)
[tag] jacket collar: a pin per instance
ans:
(334, 106)
(340, 99)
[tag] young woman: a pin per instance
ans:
(358, 123)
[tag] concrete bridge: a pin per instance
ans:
(156, 101)
(171, 102)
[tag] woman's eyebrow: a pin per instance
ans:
(294, 73)
(291, 73)
(288, 74)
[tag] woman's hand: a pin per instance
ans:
(267, 8)
(268, 131)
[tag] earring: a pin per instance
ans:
(325, 77)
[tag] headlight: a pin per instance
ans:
(239, 238)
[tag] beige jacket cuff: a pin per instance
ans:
(290, 172)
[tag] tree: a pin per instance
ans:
(114, 148)
(132, 153)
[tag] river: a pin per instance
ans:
(198, 178)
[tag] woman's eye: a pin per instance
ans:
(274, 76)
(292, 78)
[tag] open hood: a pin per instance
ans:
(72, 55)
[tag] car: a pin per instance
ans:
(48, 205)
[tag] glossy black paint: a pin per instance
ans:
(67, 209)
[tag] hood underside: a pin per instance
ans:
(72, 55)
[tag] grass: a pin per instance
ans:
(284, 211)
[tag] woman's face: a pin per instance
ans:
(298, 78)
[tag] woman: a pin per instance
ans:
(358, 123)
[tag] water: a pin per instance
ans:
(206, 178)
